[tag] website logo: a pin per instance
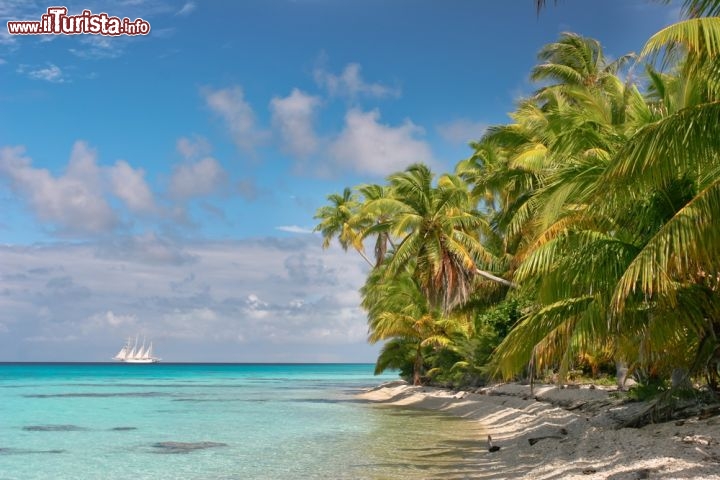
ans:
(57, 22)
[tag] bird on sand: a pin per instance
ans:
(491, 447)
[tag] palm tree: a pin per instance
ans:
(439, 230)
(376, 220)
(340, 219)
(398, 311)
(576, 61)
(640, 261)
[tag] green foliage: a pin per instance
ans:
(582, 233)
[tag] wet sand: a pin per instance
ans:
(564, 433)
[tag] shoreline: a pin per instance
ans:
(565, 433)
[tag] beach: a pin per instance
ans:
(564, 433)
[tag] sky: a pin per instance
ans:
(164, 185)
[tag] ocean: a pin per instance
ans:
(217, 421)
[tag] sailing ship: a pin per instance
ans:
(130, 353)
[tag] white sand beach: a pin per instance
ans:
(574, 434)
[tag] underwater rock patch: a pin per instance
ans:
(52, 428)
(22, 451)
(97, 395)
(123, 429)
(184, 447)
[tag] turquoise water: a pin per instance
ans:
(195, 421)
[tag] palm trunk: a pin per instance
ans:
(417, 367)
(494, 278)
(621, 371)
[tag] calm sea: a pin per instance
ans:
(200, 421)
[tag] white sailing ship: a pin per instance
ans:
(132, 353)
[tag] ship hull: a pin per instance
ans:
(141, 360)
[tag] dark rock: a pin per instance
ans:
(22, 451)
(52, 428)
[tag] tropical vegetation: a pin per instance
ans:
(582, 235)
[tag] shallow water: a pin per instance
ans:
(194, 421)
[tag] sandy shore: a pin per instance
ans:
(574, 434)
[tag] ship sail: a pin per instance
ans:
(134, 353)
(121, 354)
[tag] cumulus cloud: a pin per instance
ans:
(49, 73)
(294, 229)
(193, 147)
(238, 115)
(148, 249)
(129, 185)
(461, 131)
(350, 83)
(197, 179)
(367, 146)
(293, 117)
(283, 299)
(73, 201)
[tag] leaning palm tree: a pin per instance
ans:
(340, 219)
(439, 230)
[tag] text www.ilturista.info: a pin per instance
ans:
(57, 22)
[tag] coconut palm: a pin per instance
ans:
(576, 61)
(400, 314)
(376, 220)
(640, 261)
(439, 229)
(340, 219)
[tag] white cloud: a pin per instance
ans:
(50, 73)
(285, 299)
(230, 105)
(73, 201)
(294, 229)
(197, 179)
(193, 147)
(102, 321)
(129, 185)
(5, 37)
(99, 47)
(369, 147)
(461, 131)
(293, 117)
(351, 84)
(187, 9)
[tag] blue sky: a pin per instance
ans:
(165, 184)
